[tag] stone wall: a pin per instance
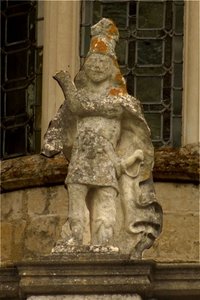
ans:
(179, 240)
(32, 220)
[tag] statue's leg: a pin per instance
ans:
(77, 194)
(103, 215)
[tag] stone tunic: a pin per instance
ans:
(93, 153)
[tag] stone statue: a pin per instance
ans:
(101, 130)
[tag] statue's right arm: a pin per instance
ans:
(69, 89)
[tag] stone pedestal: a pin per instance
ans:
(81, 274)
(99, 276)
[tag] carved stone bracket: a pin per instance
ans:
(37, 170)
(100, 274)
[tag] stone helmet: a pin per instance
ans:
(104, 37)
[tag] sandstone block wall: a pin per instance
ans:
(31, 222)
(179, 240)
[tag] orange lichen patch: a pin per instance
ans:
(119, 81)
(112, 30)
(98, 45)
(117, 91)
(119, 78)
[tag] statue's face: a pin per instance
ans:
(98, 67)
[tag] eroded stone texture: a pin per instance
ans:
(6, 241)
(101, 129)
(11, 206)
(39, 233)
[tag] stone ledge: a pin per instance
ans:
(102, 274)
(9, 283)
(177, 280)
(36, 170)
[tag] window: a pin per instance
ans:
(150, 54)
(21, 79)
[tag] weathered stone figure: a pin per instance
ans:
(101, 130)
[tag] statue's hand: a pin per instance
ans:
(61, 75)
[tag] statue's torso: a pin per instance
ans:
(98, 129)
(109, 129)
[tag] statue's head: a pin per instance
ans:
(98, 67)
(101, 61)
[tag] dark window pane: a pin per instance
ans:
(19, 22)
(178, 70)
(31, 61)
(121, 52)
(167, 87)
(15, 141)
(3, 63)
(149, 52)
(132, 8)
(176, 132)
(15, 103)
(179, 18)
(130, 84)
(32, 25)
(13, 2)
(167, 80)
(132, 14)
(20, 65)
(3, 20)
(150, 14)
(178, 48)
(168, 51)
(117, 12)
(131, 54)
(97, 12)
(2, 143)
(17, 65)
(168, 16)
(86, 11)
(177, 102)
(148, 89)
(166, 94)
(132, 23)
(166, 125)
(154, 122)
(85, 32)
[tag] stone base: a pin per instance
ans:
(87, 276)
(84, 273)
(64, 247)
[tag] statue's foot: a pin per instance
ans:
(73, 241)
(64, 245)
